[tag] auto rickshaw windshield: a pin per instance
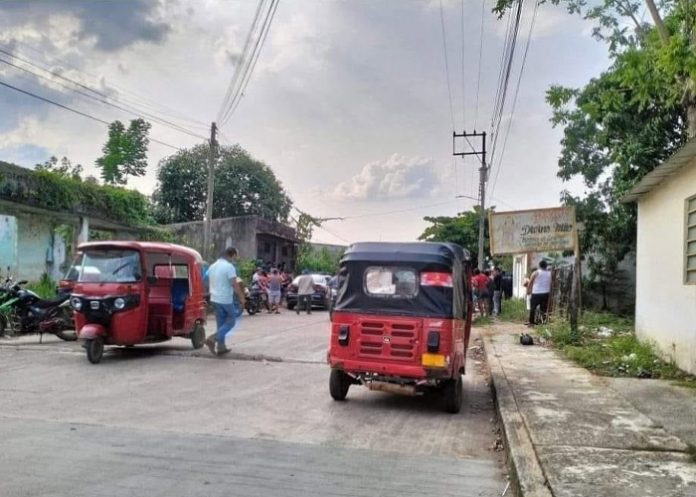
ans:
(110, 266)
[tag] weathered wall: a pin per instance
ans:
(665, 306)
(37, 249)
(239, 232)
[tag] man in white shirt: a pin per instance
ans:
(222, 277)
(539, 288)
(305, 289)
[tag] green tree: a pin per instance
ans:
(243, 186)
(125, 152)
(63, 168)
(461, 229)
(625, 122)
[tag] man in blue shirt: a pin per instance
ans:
(222, 277)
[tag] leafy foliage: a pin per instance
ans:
(322, 260)
(65, 168)
(54, 191)
(125, 152)
(243, 186)
(461, 229)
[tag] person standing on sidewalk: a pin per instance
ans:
(305, 289)
(497, 290)
(222, 276)
(539, 288)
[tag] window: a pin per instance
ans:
(690, 242)
(284, 251)
(110, 266)
(391, 281)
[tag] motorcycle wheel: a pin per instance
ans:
(252, 309)
(3, 325)
(95, 350)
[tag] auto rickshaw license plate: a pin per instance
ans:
(433, 360)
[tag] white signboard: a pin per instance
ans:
(539, 230)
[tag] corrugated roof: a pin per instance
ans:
(670, 167)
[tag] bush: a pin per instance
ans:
(514, 310)
(44, 288)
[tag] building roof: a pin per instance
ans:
(664, 171)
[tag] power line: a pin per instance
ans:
(478, 79)
(517, 90)
(94, 97)
(70, 109)
(463, 71)
(447, 74)
(138, 99)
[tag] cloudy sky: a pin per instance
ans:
(348, 102)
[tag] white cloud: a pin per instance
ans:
(392, 178)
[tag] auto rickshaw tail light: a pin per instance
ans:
(436, 279)
(433, 341)
(344, 335)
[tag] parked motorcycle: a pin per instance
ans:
(23, 311)
(254, 300)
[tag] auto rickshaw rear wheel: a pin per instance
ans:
(339, 383)
(198, 336)
(95, 349)
(453, 391)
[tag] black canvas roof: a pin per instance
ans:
(425, 252)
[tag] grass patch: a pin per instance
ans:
(482, 321)
(687, 383)
(514, 310)
(606, 345)
(44, 288)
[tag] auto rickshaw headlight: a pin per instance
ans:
(119, 303)
(76, 303)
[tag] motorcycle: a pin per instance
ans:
(23, 311)
(254, 300)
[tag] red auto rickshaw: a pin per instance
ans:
(128, 293)
(402, 320)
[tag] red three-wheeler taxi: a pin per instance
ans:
(402, 320)
(129, 293)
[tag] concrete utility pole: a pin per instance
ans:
(483, 177)
(212, 156)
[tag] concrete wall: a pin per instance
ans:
(665, 306)
(239, 232)
(30, 246)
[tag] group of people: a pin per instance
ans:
(271, 286)
(487, 291)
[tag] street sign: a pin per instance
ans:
(537, 230)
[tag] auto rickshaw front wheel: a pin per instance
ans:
(198, 336)
(453, 391)
(95, 349)
(339, 383)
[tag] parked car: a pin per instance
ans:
(321, 296)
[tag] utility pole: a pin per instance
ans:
(483, 177)
(212, 155)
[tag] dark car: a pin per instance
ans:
(321, 296)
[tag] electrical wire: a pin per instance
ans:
(70, 109)
(463, 69)
(517, 90)
(478, 78)
(447, 73)
(31, 62)
(104, 101)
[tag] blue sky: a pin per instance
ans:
(348, 103)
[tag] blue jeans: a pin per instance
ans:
(226, 318)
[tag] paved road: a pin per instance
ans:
(165, 420)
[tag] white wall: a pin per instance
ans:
(665, 306)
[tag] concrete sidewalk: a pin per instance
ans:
(572, 434)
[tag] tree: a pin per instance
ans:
(64, 169)
(243, 186)
(461, 229)
(125, 152)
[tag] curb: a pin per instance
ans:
(526, 472)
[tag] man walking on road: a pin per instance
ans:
(305, 289)
(539, 288)
(222, 276)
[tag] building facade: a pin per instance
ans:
(666, 257)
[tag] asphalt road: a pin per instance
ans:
(168, 421)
